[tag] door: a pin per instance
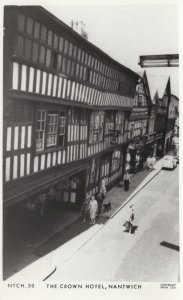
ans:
(74, 194)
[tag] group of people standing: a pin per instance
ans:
(91, 206)
(150, 162)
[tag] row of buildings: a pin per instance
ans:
(72, 114)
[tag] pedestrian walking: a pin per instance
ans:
(93, 208)
(85, 208)
(126, 181)
(99, 201)
(129, 219)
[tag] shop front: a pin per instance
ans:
(108, 166)
(135, 156)
(160, 145)
(68, 194)
(151, 146)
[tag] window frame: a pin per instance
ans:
(96, 130)
(60, 114)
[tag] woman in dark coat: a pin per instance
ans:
(126, 180)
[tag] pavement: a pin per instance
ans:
(150, 254)
(39, 260)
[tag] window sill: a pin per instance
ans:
(50, 150)
(96, 142)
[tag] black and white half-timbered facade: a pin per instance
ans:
(162, 128)
(138, 126)
(66, 111)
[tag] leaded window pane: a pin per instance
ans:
(28, 46)
(36, 30)
(40, 130)
(29, 26)
(42, 55)
(20, 46)
(43, 34)
(50, 37)
(21, 22)
(61, 43)
(35, 52)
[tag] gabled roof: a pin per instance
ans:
(167, 90)
(146, 83)
(155, 98)
(156, 84)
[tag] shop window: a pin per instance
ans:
(21, 22)
(96, 127)
(50, 129)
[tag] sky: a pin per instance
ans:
(126, 32)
